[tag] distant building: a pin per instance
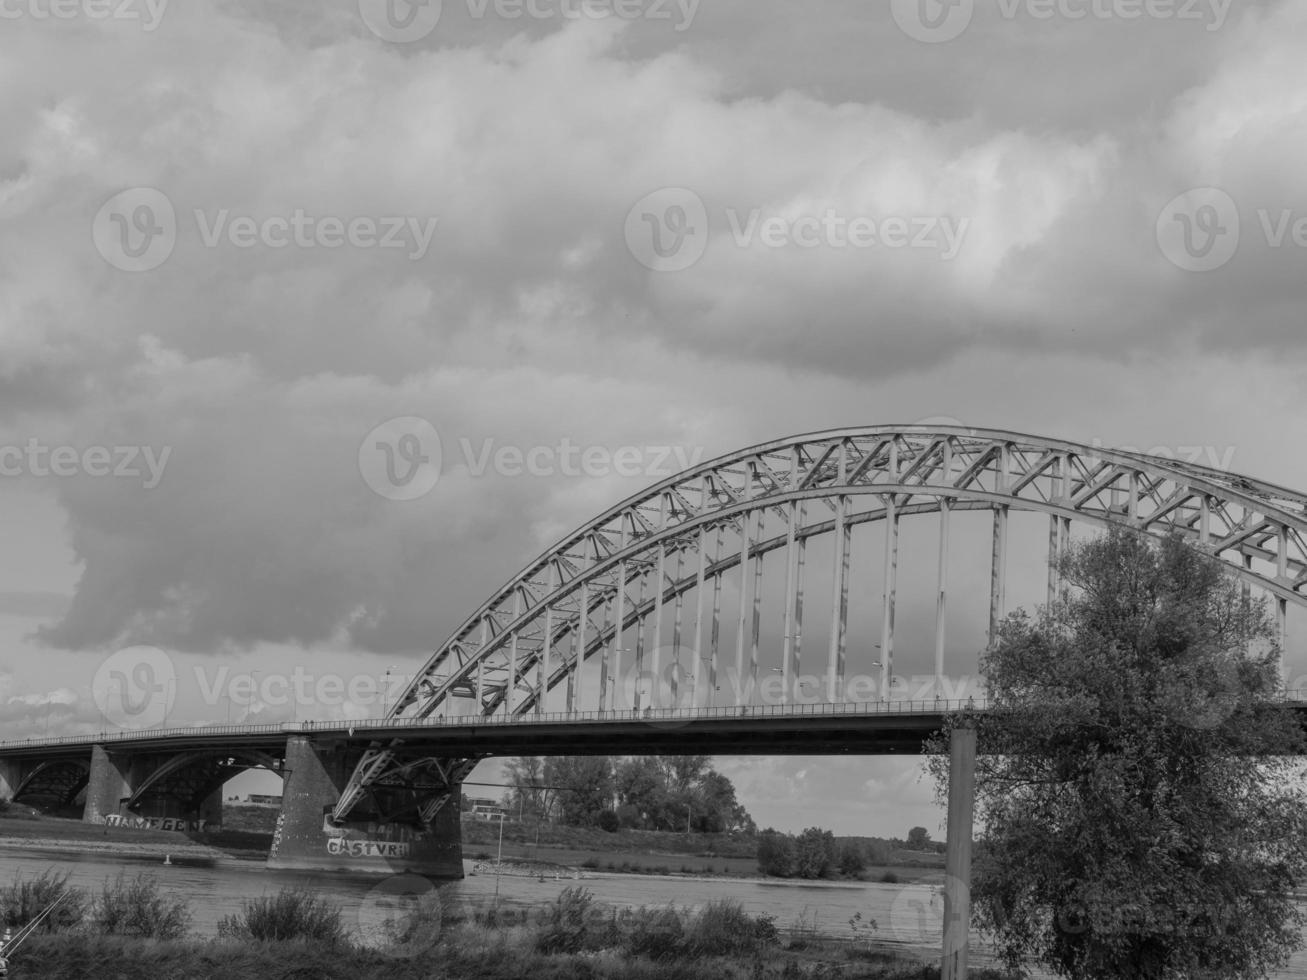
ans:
(263, 799)
(484, 809)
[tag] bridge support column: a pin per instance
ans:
(957, 856)
(9, 779)
(211, 810)
(316, 773)
(109, 784)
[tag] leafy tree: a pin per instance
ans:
(814, 853)
(918, 839)
(1140, 814)
(642, 789)
(584, 787)
(851, 857)
(776, 854)
(531, 794)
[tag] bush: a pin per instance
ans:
(25, 899)
(565, 924)
(723, 928)
(609, 821)
(135, 908)
(655, 933)
(293, 913)
(890, 878)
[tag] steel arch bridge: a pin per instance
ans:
(612, 581)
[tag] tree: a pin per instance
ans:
(584, 787)
(918, 839)
(814, 853)
(531, 794)
(775, 854)
(851, 857)
(1140, 814)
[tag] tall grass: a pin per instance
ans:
(136, 908)
(26, 898)
(291, 914)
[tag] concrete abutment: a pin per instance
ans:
(316, 772)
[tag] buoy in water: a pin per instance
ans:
(167, 859)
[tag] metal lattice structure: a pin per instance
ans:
(581, 599)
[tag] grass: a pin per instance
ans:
(294, 935)
(293, 914)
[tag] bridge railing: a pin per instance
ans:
(668, 715)
(655, 715)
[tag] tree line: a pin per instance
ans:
(674, 793)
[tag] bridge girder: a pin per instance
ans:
(64, 778)
(533, 634)
(192, 776)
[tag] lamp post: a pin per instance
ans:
(499, 857)
(385, 689)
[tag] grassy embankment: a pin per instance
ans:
(654, 852)
(247, 835)
(131, 930)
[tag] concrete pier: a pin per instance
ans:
(316, 772)
(109, 785)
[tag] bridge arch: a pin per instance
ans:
(192, 777)
(60, 779)
(574, 602)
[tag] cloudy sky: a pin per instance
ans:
(237, 237)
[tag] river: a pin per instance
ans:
(909, 916)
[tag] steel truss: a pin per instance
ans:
(577, 601)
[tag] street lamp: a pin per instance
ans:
(385, 689)
(499, 857)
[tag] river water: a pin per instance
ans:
(909, 916)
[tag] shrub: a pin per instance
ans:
(135, 908)
(609, 821)
(565, 924)
(722, 927)
(27, 898)
(890, 878)
(655, 933)
(293, 913)
(591, 862)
